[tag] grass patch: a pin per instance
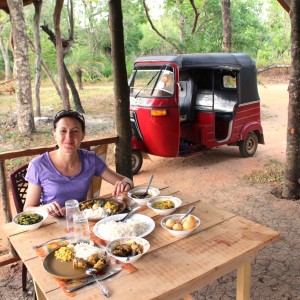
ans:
(273, 172)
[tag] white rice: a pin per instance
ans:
(98, 213)
(85, 250)
(130, 228)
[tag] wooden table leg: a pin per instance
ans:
(243, 281)
(38, 292)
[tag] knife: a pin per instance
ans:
(92, 280)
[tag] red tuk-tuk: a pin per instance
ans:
(181, 105)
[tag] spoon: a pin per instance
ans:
(144, 195)
(189, 211)
(102, 287)
(129, 214)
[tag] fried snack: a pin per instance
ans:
(100, 264)
(136, 248)
(92, 260)
(79, 263)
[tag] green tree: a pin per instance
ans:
(276, 45)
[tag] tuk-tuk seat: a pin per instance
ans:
(204, 100)
(227, 113)
(225, 116)
(187, 99)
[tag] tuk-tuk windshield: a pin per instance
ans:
(152, 82)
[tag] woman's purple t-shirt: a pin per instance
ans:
(60, 188)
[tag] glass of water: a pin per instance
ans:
(72, 206)
(81, 227)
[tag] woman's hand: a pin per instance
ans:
(54, 209)
(121, 187)
(121, 184)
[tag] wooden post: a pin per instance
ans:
(4, 193)
(5, 202)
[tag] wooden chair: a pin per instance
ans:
(94, 190)
(19, 189)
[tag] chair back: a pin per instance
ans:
(19, 186)
(95, 187)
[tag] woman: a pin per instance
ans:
(66, 173)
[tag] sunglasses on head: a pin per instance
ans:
(69, 113)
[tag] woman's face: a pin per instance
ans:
(68, 134)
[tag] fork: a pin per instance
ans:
(63, 238)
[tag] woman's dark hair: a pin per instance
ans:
(69, 114)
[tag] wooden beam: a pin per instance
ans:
(40, 150)
(285, 4)
(8, 259)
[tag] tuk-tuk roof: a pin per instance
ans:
(242, 62)
(203, 60)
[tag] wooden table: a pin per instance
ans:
(173, 267)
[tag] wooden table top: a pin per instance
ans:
(173, 267)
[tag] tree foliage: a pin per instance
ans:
(259, 28)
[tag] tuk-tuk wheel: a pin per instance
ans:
(249, 145)
(136, 160)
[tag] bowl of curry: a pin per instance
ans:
(164, 205)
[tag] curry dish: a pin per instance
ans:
(163, 204)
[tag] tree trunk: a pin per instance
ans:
(49, 74)
(4, 52)
(69, 79)
(121, 89)
(22, 71)
(38, 8)
(291, 187)
(76, 98)
(78, 73)
(59, 54)
(226, 43)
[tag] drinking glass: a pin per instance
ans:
(72, 206)
(81, 227)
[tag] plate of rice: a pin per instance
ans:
(71, 261)
(137, 225)
(99, 208)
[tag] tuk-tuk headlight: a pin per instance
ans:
(158, 112)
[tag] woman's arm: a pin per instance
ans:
(33, 197)
(121, 183)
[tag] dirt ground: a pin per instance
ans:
(216, 175)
